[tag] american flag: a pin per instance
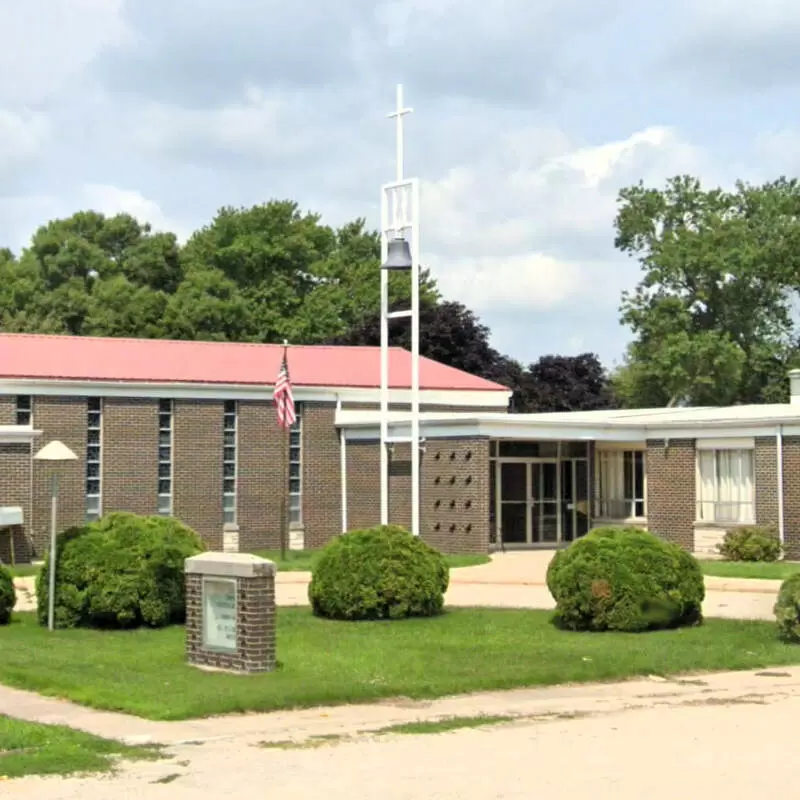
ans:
(282, 394)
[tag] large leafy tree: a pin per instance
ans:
(302, 280)
(711, 316)
(566, 383)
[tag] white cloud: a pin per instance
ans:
(111, 200)
(540, 235)
(23, 137)
(47, 44)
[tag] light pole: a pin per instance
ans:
(55, 453)
(400, 252)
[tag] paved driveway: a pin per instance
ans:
(517, 580)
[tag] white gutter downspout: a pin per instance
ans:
(779, 453)
(343, 468)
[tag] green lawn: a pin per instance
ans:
(27, 748)
(295, 561)
(776, 570)
(23, 570)
(143, 672)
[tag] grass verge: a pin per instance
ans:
(23, 570)
(444, 725)
(321, 662)
(758, 570)
(27, 748)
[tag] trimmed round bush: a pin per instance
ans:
(8, 597)
(787, 609)
(751, 544)
(122, 571)
(625, 579)
(379, 573)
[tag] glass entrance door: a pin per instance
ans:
(574, 498)
(545, 504)
(513, 502)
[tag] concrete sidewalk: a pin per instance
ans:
(348, 720)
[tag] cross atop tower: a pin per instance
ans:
(398, 115)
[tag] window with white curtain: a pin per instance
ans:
(620, 484)
(725, 486)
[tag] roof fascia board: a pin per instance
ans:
(218, 391)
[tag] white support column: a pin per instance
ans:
(384, 477)
(343, 474)
(415, 411)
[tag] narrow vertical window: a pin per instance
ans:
(165, 458)
(94, 458)
(24, 409)
(296, 468)
(229, 461)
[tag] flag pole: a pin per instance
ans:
(287, 433)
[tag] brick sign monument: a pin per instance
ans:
(230, 612)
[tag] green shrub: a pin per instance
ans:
(122, 571)
(380, 573)
(625, 579)
(751, 544)
(787, 609)
(8, 597)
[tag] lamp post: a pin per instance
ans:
(54, 453)
(400, 252)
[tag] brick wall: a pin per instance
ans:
(363, 484)
(8, 410)
(671, 496)
(791, 493)
(15, 490)
(197, 467)
(455, 495)
(321, 461)
(130, 455)
(766, 480)
(261, 479)
(64, 419)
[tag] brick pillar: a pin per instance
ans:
(766, 481)
(15, 490)
(791, 496)
(130, 457)
(671, 495)
(455, 495)
(197, 467)
(230, 612)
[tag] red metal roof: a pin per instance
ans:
(86, 358)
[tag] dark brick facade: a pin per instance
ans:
(64, 419)
(671, 495)
(766, 480)
(197, 467)
(261, 479)
(455, 495)
(321, 462)
(791, 493)
(130, 457)
(15, 485)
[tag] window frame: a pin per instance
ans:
(93, 500)
(23, 409)
(164, 410)
(296, 496)
(619, 460)
(230, 499)
(711, 452)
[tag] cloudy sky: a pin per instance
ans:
(528, 118)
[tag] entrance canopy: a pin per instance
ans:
(618, 425)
